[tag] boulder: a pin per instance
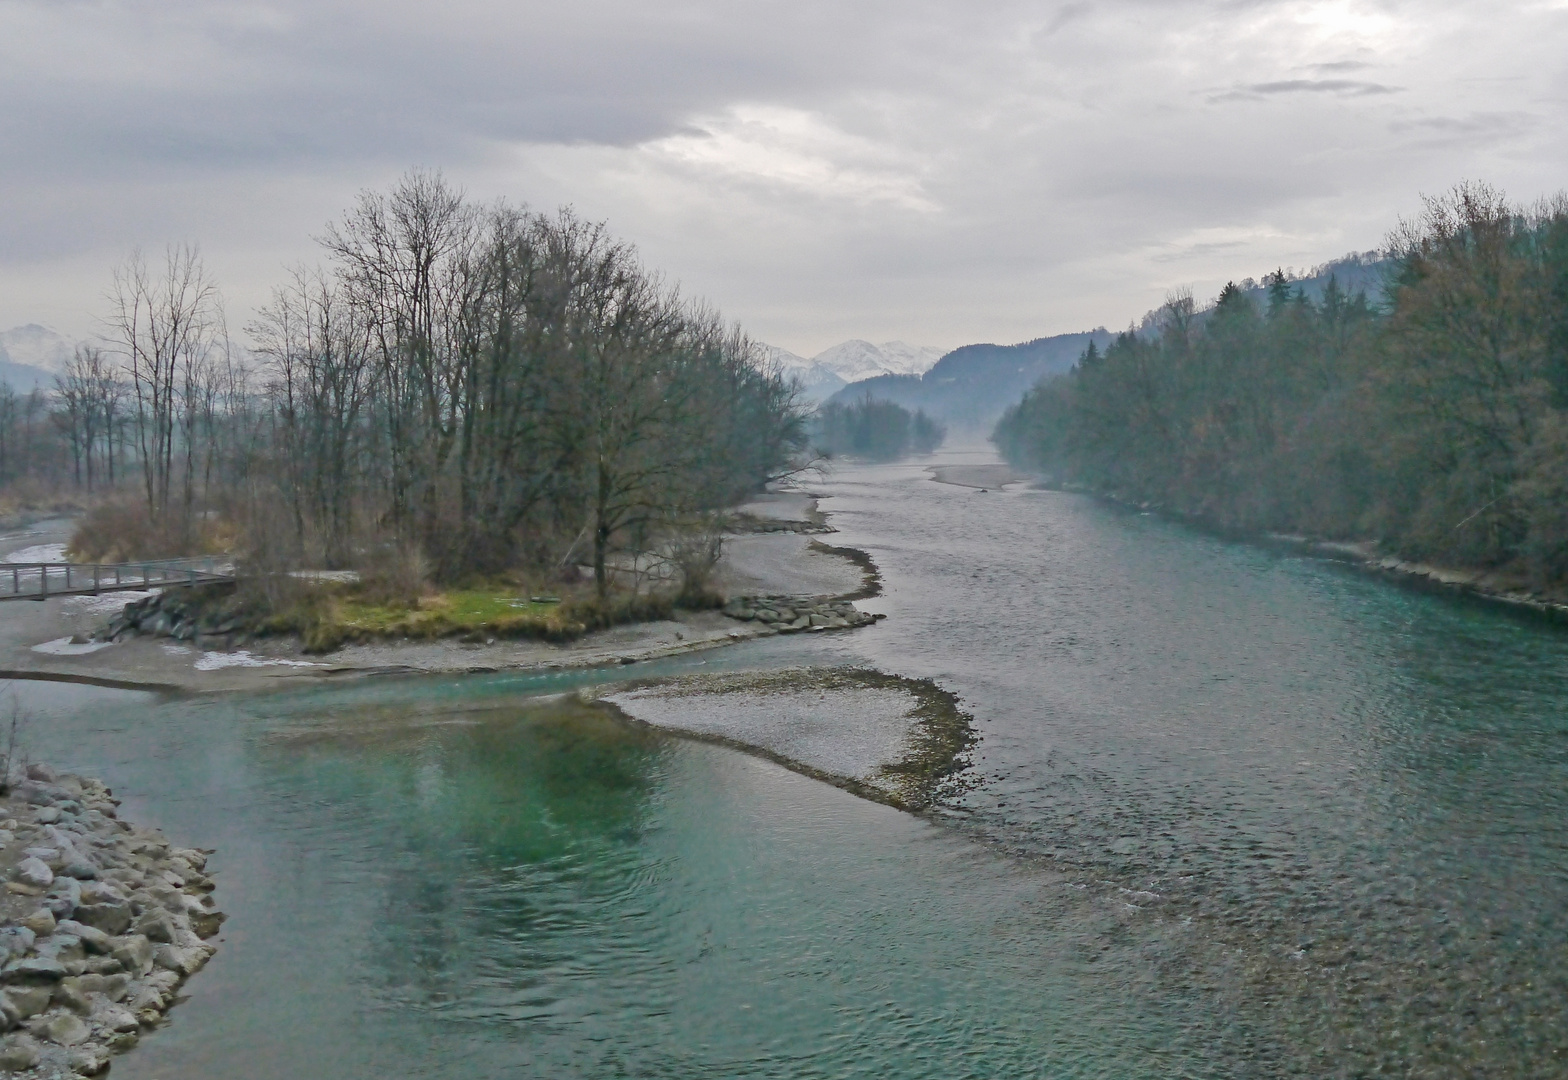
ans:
(185, 961)
(135, 952)
(67, 1029)
(102, 892)
(207, 922)
(112, 917)
(33, 969)
(34, 871)
(19, 1053)
(68, 994)
(89, 1059)
(92, 938)
(27, 1001)
(148, 998)
(41, 922)
(16, 941)
(115, 1018)
(40, 771)
(156, 925)
(36, 793)
(112, 987)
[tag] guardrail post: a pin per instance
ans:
(97, 570)
(16, 580)
(67, 577)
(43, 581)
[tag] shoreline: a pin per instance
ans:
(778, 552)
(1492, 588)
(101, 922)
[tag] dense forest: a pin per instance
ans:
(873, 429)
(1433, 420)
(469, 388)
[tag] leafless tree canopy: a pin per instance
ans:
(486, 386)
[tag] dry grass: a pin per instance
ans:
(121, 530)
(327, 617)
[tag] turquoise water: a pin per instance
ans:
(532, 888)
(1236, 813)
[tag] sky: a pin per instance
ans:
(936, 172)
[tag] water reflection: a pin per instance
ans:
(517, 887)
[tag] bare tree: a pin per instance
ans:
(167, 321)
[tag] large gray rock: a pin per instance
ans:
(15, 941)
(67, 1029)
(89, 1059)
(94, 939)
(156, 925)
(35, 872)
(134, 953)
(33, 969)
(19, 1053)
(112, 917)
(41, 922)
(68, 993)
(115, 1017)
(185, 961)
(99, 892)
(27, 1001)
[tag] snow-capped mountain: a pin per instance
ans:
(856, 360)
(831, 370)
(30, 356)
(35, 346)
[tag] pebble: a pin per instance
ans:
(793, 614)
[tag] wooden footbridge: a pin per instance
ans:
(41, 580)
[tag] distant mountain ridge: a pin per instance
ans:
(30, 355)
(850, 361)
(972, 385)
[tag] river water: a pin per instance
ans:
(1233, 813)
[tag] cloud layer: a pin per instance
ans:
(937, 172)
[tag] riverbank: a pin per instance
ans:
(778, 556)
(100, 924)
(1505, 588)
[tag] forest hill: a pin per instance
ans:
(468, 388)
(874, 429)
(1435, 423)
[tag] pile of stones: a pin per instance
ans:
(171, 614)
(794, 614)
(746, 523)
(102, 922)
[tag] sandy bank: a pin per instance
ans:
(985, 477)
(883, 737)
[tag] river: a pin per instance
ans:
(1234, 812)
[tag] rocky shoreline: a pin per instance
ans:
(100, 923)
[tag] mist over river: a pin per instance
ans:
(1233, 813)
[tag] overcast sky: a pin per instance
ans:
(939, 172)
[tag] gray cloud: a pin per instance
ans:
(934, 171)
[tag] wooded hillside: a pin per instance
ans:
(1436, 423)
